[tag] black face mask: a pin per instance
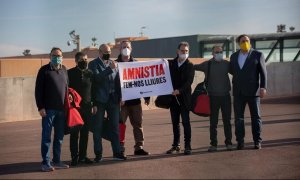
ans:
(82, 64)
(106, 56)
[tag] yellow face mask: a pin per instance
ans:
(245, 46)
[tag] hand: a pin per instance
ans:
(112, 65)
(147, 102)
(122, 103)
(42, 112)
(262, 92)
(70, 98)
(94, 110)
(175, 92)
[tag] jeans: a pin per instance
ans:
(113, 112)
(256, 123)
(84, 135)
(136, 118)
(177, 111)
(55, 118)
(223, 103)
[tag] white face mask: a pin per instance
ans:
(183, 56)
(126, 52)
(219, 57)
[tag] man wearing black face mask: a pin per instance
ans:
(106, 96)
(80, 79)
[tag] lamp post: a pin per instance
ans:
(142, 32)
(75, 40)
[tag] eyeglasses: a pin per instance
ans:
(220, 52)
(56, 56)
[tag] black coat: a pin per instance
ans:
(182, 79)
(253, 76)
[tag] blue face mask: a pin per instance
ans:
(56, 60)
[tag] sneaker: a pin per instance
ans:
(174, 149)
(240, 146)
(229, 147)
(212, 149)
(141, 152)
(98, 159)
(60, 165)
(257, 145)
(120, 157)
(85, 161)
(47, 168)
(188, 151)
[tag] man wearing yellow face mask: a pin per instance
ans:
(249, 82)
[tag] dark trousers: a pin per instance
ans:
(223, 103)
(85, 113)
(177, 111)
(239, 110)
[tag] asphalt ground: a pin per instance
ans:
(279, 157)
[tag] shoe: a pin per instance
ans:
(47, 168)
(74, 161)
(240, 146)
(85, 161)
(229, 147)
(257, 146)
(60, 165)
(141, 152)
(188, 151)
(120, 157)
(98, 159)
(212, 149)
(174, 149)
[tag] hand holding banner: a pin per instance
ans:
(144, 79)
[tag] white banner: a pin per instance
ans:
(145, 78)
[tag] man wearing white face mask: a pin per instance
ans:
(182, 75)
(218, 88)
(132, 108)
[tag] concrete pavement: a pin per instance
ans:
(279, 157)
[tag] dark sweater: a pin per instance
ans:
(81, 81)
(50, 87)
(218, 80)
(131, 102)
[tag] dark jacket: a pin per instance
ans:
(218, 80)
(253, 76)
(50, 87)
(81, 81)
(182, 79)
(132, 101)
(101, 83)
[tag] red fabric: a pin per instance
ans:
(202, 105)
(73, 116)
(122, 128)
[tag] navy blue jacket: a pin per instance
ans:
(253, 76)
(50, 87)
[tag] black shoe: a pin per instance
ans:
(85, 160)
(120, 157)
(188, 150)
(257, 145)
(174, 149)
(74, 161)
(141, 152)
(98, 158)
(240, 146)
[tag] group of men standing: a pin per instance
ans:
(98, 84)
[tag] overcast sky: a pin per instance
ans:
(39, 25)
